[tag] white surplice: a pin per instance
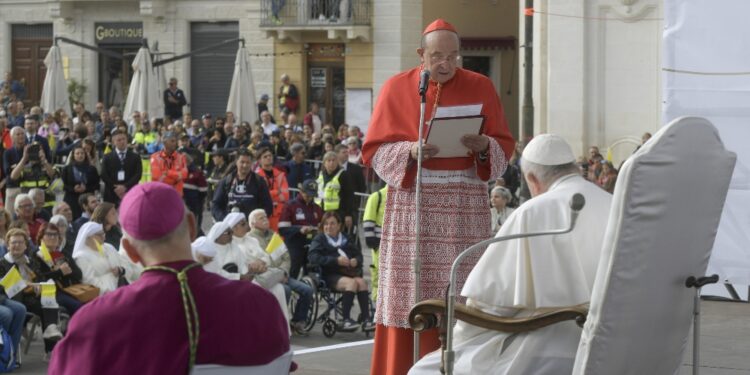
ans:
(515, 277)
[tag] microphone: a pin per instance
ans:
(424, 79)
(576, 204)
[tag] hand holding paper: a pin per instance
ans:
(476, 143)
(428, 151)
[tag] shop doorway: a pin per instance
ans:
(326, 87)
(115, 75)
(326, 82)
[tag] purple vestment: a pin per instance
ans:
(141, 329)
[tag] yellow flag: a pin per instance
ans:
(100, 248)
(46, 256)
(13, 282)
(49, 290)
(274, 244)
(276, 247)
(51, 141)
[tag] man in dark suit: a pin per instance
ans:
(356, 175)
(121, 169)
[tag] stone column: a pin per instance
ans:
(397, 29)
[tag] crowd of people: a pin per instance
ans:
(64, 177)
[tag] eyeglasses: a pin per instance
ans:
(51, 234)
(24, 206)
(438, 58)
(16, 243)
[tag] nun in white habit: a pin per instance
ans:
(100, 263)
(515, 277)
(229, 262)
(259, 262)
(204, 252)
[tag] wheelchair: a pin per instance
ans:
(331, 301)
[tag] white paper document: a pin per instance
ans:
(459, 111)
(446, 133)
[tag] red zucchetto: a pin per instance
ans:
(439, 24)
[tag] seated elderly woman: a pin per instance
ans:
(24, 207)
(102, 266)
(341, 262)
(55, 265)
(499, 198)
(269, 273)
(30, 270)
(68, 239)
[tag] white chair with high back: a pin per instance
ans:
(665, 213)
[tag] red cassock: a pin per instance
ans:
(455, 204)
(141, 329)
(400, 92)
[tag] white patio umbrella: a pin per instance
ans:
(143, 94)
(161, 81)
(55, 89)
(242, 92)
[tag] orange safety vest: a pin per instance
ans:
(172, 167)
(279, 189)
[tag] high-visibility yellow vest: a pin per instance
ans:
(31, 180)
(40, 183)
(329, 192)
(146, 171)
(375, 208)
(145, 139)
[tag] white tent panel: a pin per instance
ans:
(706, 72)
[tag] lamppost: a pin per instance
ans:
(527, 128)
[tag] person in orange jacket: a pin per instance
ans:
(276, 181)
(168, 165)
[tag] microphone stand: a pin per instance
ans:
(417, 263)
(576, 203)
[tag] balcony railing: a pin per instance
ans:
(315, 13)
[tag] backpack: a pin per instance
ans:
(7, 352)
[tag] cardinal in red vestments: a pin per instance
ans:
(176, 315)
(454, 210)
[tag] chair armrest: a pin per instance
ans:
(424, 315)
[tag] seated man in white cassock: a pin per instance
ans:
(515, 277)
